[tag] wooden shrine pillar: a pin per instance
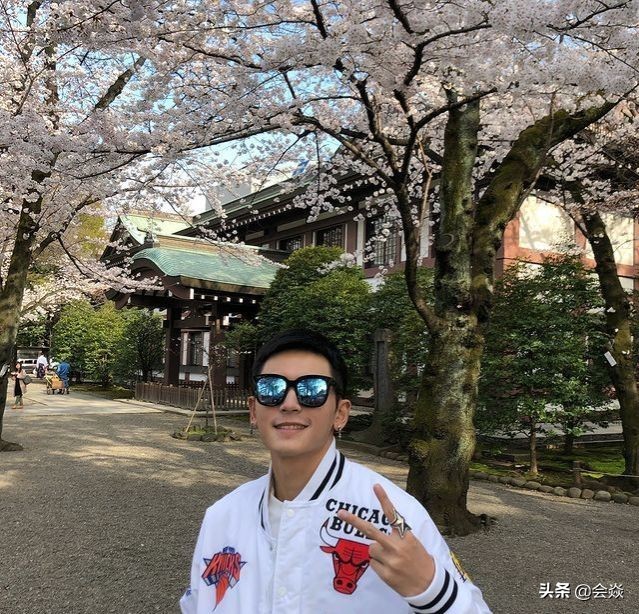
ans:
(172, 348)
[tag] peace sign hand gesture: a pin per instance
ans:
(399, 559)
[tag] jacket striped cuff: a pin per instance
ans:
(439, 597)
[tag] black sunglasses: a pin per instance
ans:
(311, 390)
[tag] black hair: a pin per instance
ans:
(309, 341)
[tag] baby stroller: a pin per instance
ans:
(54, 383)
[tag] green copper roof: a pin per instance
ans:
(231, 268)
(139, 225)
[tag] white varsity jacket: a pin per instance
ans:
(319, 564)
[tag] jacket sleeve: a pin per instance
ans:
(189, 600)
(451, 590)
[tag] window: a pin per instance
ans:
(331, 237)
(195, 354)
(382, 240)
(291, 244)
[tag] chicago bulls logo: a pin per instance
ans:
(223, 571)
(350, 560)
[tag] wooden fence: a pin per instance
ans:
(225, 398)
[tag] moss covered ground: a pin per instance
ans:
(554, 466)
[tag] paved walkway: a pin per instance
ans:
(38, 403)
(100, 513)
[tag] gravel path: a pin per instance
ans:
(100, 513)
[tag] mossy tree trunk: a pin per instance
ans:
(619, 330)
(444, 440)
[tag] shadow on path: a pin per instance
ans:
(100, 514)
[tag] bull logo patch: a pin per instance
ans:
(350, 560)
(223, 571)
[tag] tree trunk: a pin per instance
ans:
(534, 469)
(444, 442)
(620, 334)
(13, 290)
(569, 442)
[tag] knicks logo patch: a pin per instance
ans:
(223, 571)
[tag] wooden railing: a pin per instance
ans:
(225, 398)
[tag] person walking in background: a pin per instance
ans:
(20, 386)
(64, 372)
(41, 365)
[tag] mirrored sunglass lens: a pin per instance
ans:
(312, 391)
(270, 390)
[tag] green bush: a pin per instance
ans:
(107, 345)
(543, 360)
(316, 293)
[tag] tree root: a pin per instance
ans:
(9, 446)
(457, 523)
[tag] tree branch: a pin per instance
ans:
(118, 85)
(399, 15)
(54, 235)
(352, 147)
(452, 106)
(374, 125)
(517, 174)
(220, 56)
(579, 22)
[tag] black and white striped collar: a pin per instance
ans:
(326, 476)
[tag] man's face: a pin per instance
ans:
(290, 430)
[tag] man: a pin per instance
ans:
(318, 534)
(64, 371)
(41, 365)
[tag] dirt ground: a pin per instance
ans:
(100, 513)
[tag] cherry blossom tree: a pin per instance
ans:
(445, 112)
(54, 276)
(84, 124)
(591, 177)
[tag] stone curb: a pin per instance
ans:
(602, 496)
(574, 493)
